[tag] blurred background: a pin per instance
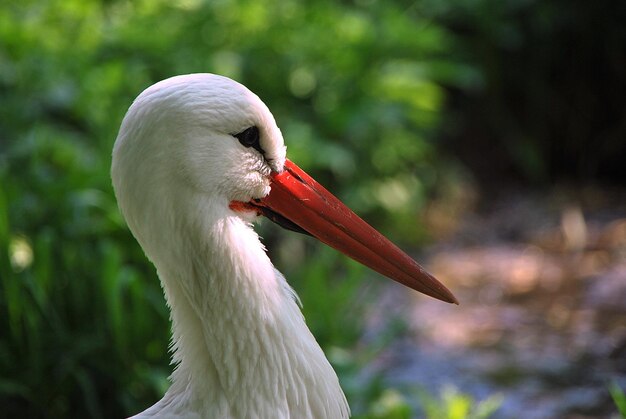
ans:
(486, 137)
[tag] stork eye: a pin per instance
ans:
(250, 138)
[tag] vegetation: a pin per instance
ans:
(370, 96)
(619, 398)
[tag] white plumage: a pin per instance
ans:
(240, 343)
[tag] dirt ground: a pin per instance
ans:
(541, 277)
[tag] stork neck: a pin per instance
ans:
(239, 339)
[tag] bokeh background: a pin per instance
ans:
(487, 137)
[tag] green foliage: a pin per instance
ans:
(70, 283)
(367, 104)
(619, 398)
(390, 405)
(453, 404)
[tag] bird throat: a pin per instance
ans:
(240, 344)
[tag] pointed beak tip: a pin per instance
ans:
(453, 300)
(440, 291)
(437, 290)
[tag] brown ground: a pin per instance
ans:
(542, 282)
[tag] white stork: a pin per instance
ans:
(197, 159)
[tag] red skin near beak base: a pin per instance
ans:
(299, 199)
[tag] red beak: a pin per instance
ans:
(301, 203)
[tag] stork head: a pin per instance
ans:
(203, 143)
(202, 133)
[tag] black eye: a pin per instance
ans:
(250, 138)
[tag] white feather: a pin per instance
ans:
(240, 343)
